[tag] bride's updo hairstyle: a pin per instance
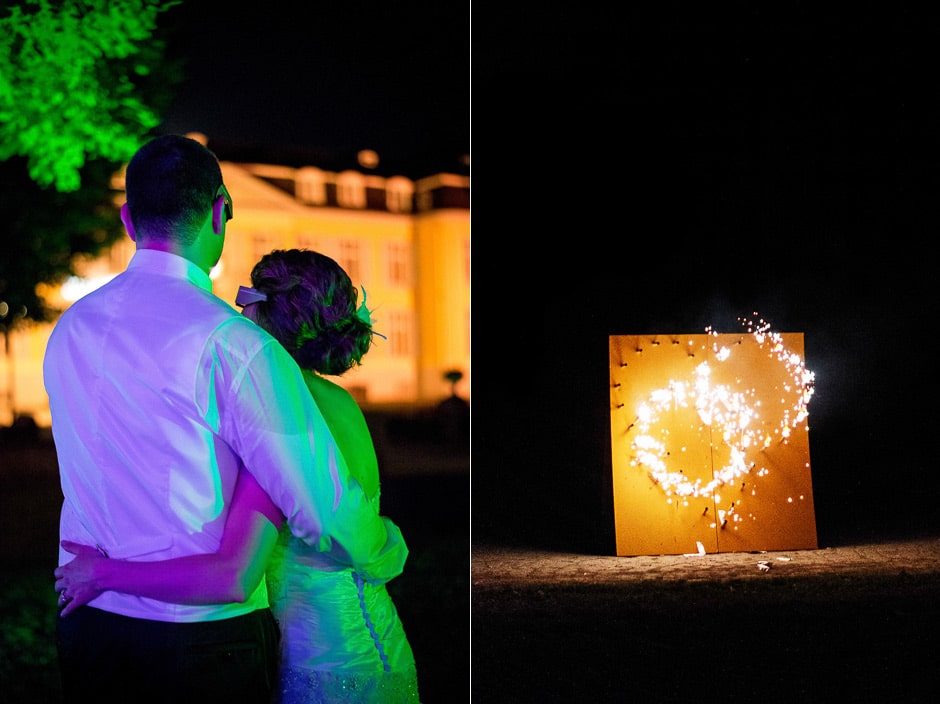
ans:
(311, 309)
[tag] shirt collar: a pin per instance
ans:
(157, 262)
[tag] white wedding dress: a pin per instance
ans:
(342, 639)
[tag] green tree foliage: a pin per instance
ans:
(69, 83)
(42, 229)
(82, 85)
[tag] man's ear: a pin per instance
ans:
(128, 225)
(218, 215)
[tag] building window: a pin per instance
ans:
(398, 263)
(398, 194)
(351, 190)
(310, 184)
(398, 328)
(349, 257)
(261, 244)
(306, 241)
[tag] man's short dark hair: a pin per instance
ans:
(170, 184)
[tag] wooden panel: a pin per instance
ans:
(709, 442)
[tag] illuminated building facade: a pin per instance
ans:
(406, 241)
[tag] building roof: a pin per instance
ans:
(412, 166)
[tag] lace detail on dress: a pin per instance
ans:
(317, 687)
(379, 647)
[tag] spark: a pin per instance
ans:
(732, 413)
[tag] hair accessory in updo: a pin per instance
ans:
(365, 315)
(247, 295)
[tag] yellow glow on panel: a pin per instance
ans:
(710, 443)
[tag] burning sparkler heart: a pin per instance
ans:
(730, 413)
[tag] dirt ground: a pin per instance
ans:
(852, 623)
(497, 569)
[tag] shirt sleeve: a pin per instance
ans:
(250, 493)
(284, 441)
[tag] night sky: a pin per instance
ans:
(690, 167)
(312, 76)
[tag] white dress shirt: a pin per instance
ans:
(158, 391)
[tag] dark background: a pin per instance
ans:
(679, 168)
(303, 82)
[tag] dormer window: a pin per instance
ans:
(310, 183)
(398, 194)
(351, 190)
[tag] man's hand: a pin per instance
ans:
(76, 582)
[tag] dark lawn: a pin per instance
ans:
(432, 596)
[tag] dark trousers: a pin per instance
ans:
(105, 657)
